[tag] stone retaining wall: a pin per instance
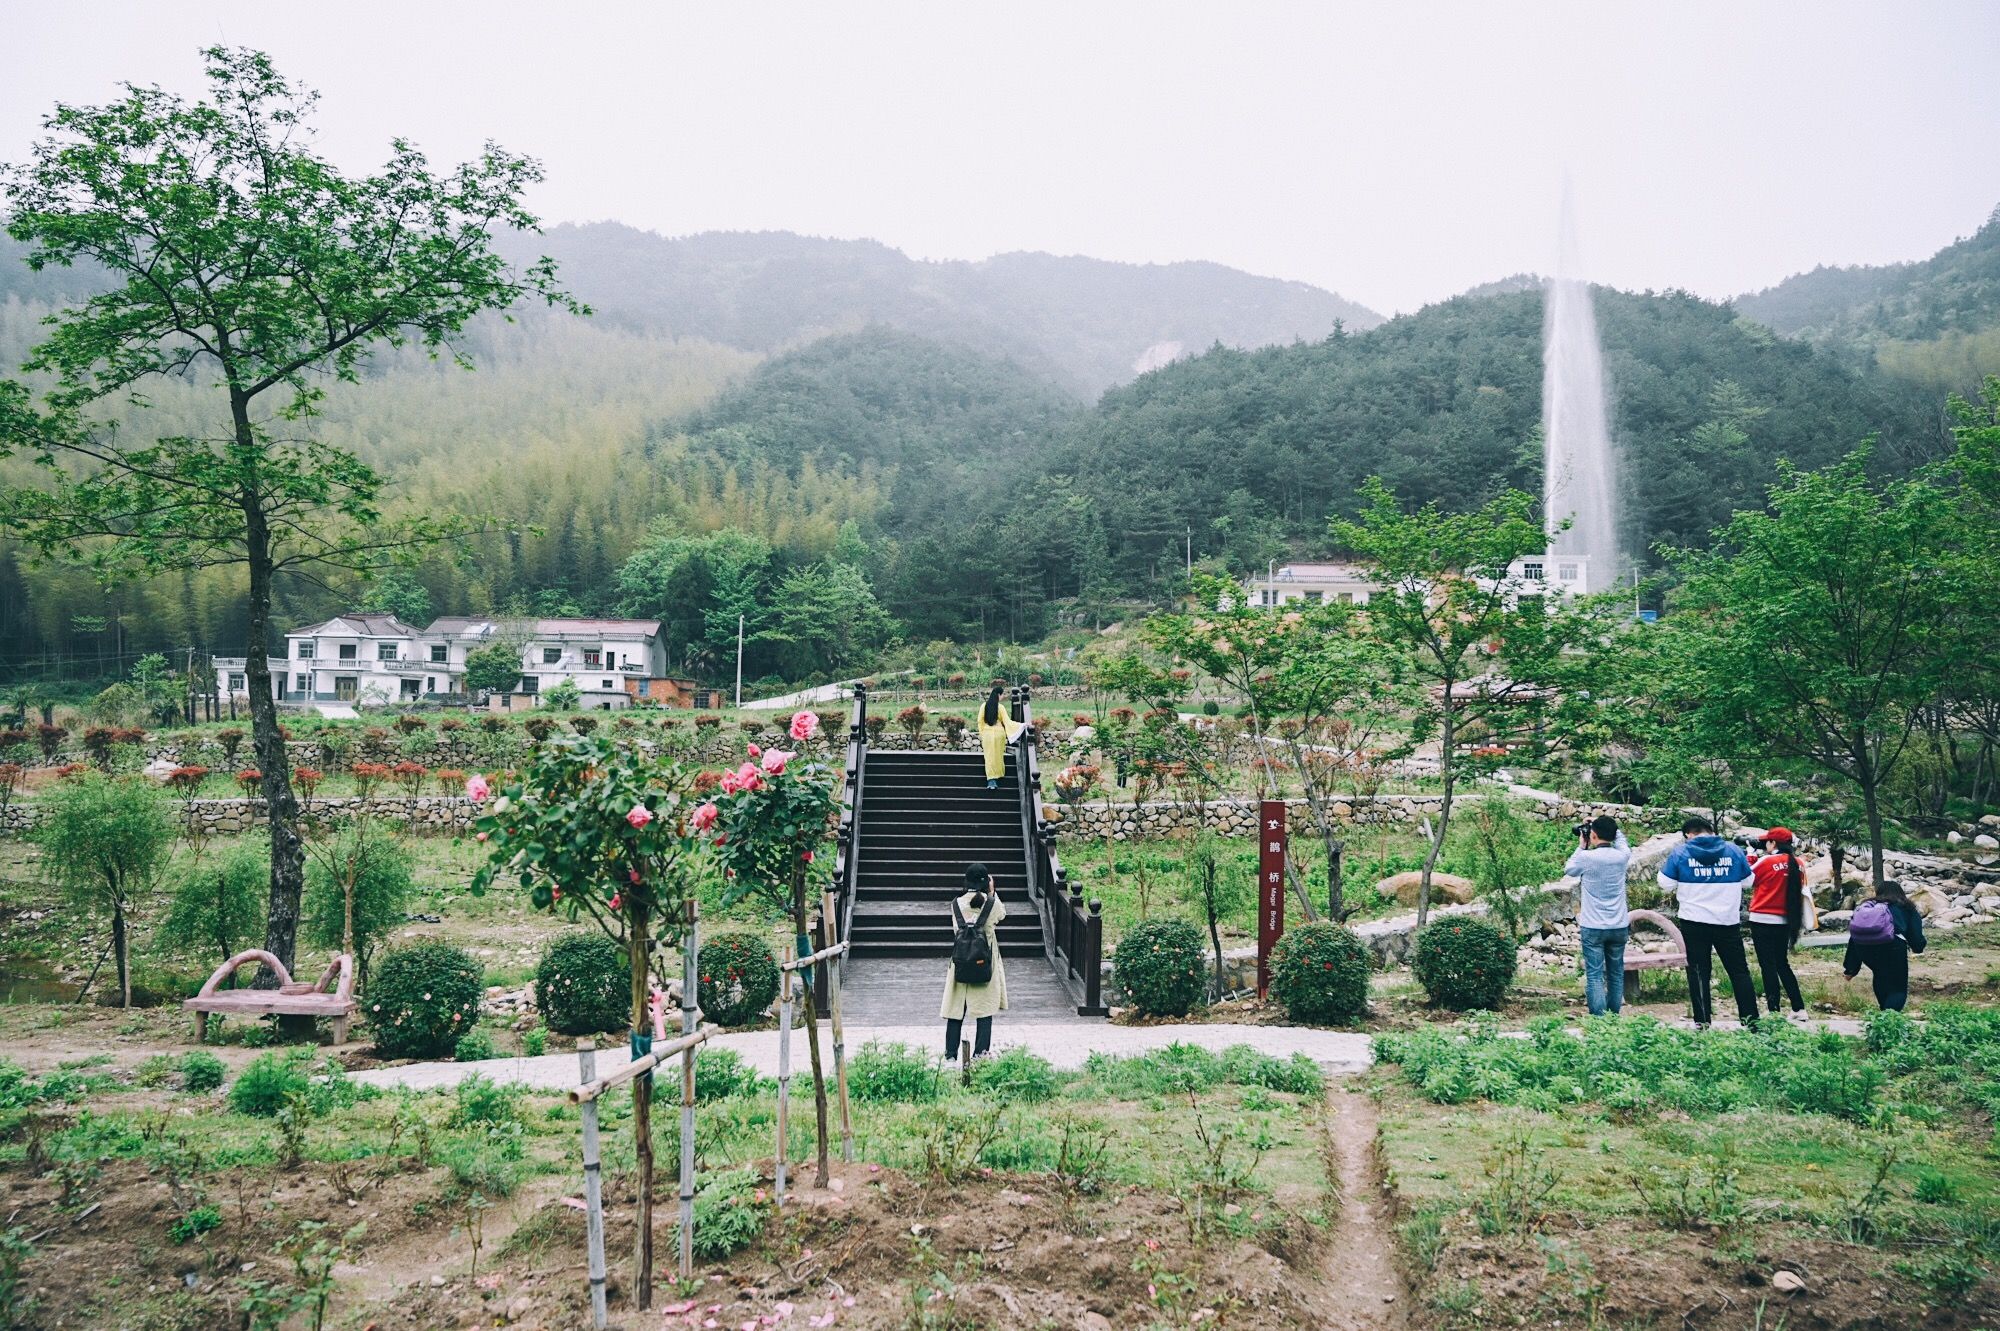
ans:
(1123, 822)
(443, 814)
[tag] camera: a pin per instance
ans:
(1580, 831)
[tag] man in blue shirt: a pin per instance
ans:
(1599, 865)
(1709, 876)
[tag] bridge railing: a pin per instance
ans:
(847, 839)
(1072, 932)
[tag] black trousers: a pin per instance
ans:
(1726, 942)
(982, 1035)
(1888, 967)
(1774, 960)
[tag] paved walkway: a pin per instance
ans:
(1339, 1053)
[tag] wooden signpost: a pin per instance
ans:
(1270, 886)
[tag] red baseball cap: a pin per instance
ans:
(1779, 834)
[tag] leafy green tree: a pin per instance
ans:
(1823, 626)
(1221, 887)
(824, 618)
(358, 888)
(696, 586)
(1972, 473)
(397, 592)
(239, 257)
(494, 668)
(218, 905)
(563, 695)
(105, 841)
(1460, 625)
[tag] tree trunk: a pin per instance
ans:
(1215, 941)
(812, 1027)
(1446, 735)
(642, 1111)
(1871, 800)
(281, 807)
(119, 946)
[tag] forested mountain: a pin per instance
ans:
(1085, 323)
(1936, 320)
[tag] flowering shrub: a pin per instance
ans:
(953, 727)
(249, 779)
(186, 781)
(739, 978)
(707, 721)
(1319, 971)
(912, 719)
(751, 727)
(583, 984)
(11, 776)
(50, 739)
(307, 779)
(1463, 963)
(583, 725)
(231, 740)
(410, 725)
(1162, 967)
(70, 771)
(97, 742)
(447, 777)
(494, 724)
(877, 724)
(367, 776)
(410, 776)
(451, 725)
(539, 728)
(422, 999)
(1075, 783)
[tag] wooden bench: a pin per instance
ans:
(289, 999)
(1654, 961)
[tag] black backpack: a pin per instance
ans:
(971, 954)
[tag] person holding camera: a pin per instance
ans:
(1598, 866)
(1707, 876)
(1780, 909)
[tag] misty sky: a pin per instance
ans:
(1396, 152)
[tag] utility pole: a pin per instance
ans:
(1190, 552)
(739, 662)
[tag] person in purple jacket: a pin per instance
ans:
(1708, 876)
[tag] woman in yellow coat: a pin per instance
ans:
(978, 1002)
(996, 731)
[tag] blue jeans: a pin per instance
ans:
(1604, 969)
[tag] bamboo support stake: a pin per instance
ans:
(639, 1066)
(690, 1016)
(784, 1069)
(593, 1186)
(834, 968)
(838, 949)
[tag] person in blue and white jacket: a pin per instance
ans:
(1708, 876)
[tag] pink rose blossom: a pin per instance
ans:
(704, 817)
(775, 760)
(480, 837)
(807, 857)
(476, 788)
(804, 726)
(749, 778)
(617, 902)
(632, 874)
(755, 751)
(731, 783)
(638, 815)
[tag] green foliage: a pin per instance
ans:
(475, 1046)
(583, 984)
(378, 869)
(494, 668)
(1508, 857)
(105, 840)
(1319, 971)
(893, 1073)
(727, 1218)
(201, 1071)
(1160, 965)
(739, 978)
(768, 830)
(219, 903)
(1463, 962)
(562, 696)
(535, 1041)
(485, 1103)
(1016, 1075)
(423, 998)
(721, 1073)
(194, 1224)
(1637, 1066)
(264, 1087)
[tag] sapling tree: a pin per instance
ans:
(218, 905)
(598, 826)
(245, 264)
(1474, 638)
(105, 841)
(358, 889)
(772, 818)
(1222, 888)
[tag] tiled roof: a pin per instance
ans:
(372, 623)
(544, 628)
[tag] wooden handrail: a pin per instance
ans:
(1072, 934)
(838, 949)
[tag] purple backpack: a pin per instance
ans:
(1873, 922)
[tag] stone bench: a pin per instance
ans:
(289, 999)
(1676, 959)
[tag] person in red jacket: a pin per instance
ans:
(1777, 914)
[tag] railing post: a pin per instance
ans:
(593, 1187)
(1093, 958)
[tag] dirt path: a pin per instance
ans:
(1359, 1267)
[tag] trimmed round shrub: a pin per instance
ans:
(1319, 971)
(267, 1083)
(475, 1046)
(584, 985)
(201, 1071)
(422, 999)
(1162, 967)
(739, 978)
(1463, 963)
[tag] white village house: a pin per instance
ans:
(1353, 584)
(376, 658)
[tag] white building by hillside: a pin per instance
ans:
(1354, 583)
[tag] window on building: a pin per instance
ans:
(430, 684)
(349, 651)
(1532, 570)
(1567, 572)
(593, 659)
(530, 684)
(551, 655)
(385, 651)
(604, 683)
(1315, 597)
(1348, 597)
(440, 653)
(306, 650)
(237, 683)
(305, 683)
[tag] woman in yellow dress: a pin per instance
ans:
(996, 731)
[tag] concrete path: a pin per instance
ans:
(1340, 1053)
